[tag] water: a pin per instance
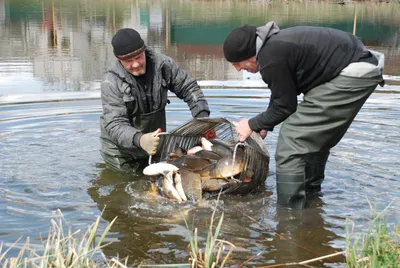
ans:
(52, 58)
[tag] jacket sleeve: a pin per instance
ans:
(283, 96)
(116, 121)
(186, 88)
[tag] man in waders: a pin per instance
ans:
(134, 95)
(336, 74)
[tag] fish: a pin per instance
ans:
(171, 186)
(208, 169)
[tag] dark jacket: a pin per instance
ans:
(295, 60)
(116, 123)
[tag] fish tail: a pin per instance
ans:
(179, 187)
(169, 189)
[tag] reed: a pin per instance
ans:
(378, 247)
(216, 252)
(213, 253)
(64, 248)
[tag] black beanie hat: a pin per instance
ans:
(240, 44)
(127, 43)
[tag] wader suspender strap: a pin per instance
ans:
(164, 101)
(129, 104)
(150, 70)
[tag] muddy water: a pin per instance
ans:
(52, 57)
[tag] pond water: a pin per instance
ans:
(52, 57)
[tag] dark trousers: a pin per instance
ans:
(306, 137)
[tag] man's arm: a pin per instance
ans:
(187, 89)
(115, 115)
(283, 96)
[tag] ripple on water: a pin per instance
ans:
(51, 162)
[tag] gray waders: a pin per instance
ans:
(319, 123)
(121, 159)
(130, 160)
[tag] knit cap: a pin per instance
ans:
(127, 43)
(240, 44)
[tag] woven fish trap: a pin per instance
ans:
(256, 157)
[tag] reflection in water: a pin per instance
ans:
(310, 236)
(49, 150)
(69, 42)
(49, 154)
(152, 230)
(149, 228)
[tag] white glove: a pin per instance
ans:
(149, 142)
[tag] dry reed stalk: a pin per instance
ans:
(306, 261)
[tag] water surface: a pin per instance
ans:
(52, 56)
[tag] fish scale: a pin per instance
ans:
(213, 170)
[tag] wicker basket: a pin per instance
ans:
(256, 156)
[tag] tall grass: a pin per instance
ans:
(213, 255)
(64, 248)
(216, 252)
(378, 247)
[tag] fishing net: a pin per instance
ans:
(256, 156)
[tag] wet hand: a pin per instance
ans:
(149, 142)
(243, 129)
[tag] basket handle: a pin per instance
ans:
(234, 158)
(158, 134)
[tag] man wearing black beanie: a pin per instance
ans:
(335, 73)
(134, 94)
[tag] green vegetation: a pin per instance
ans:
(60, 249)
(379, 247)
(213, 253)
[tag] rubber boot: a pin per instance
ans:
(291, 190)
(315, 170)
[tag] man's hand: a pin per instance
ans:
(263, 133)
(149, 142)
(243, 129)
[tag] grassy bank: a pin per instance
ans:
(377, 247)
(63, 248)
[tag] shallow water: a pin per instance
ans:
(50, 67)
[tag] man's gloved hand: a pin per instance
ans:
(149, 142)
